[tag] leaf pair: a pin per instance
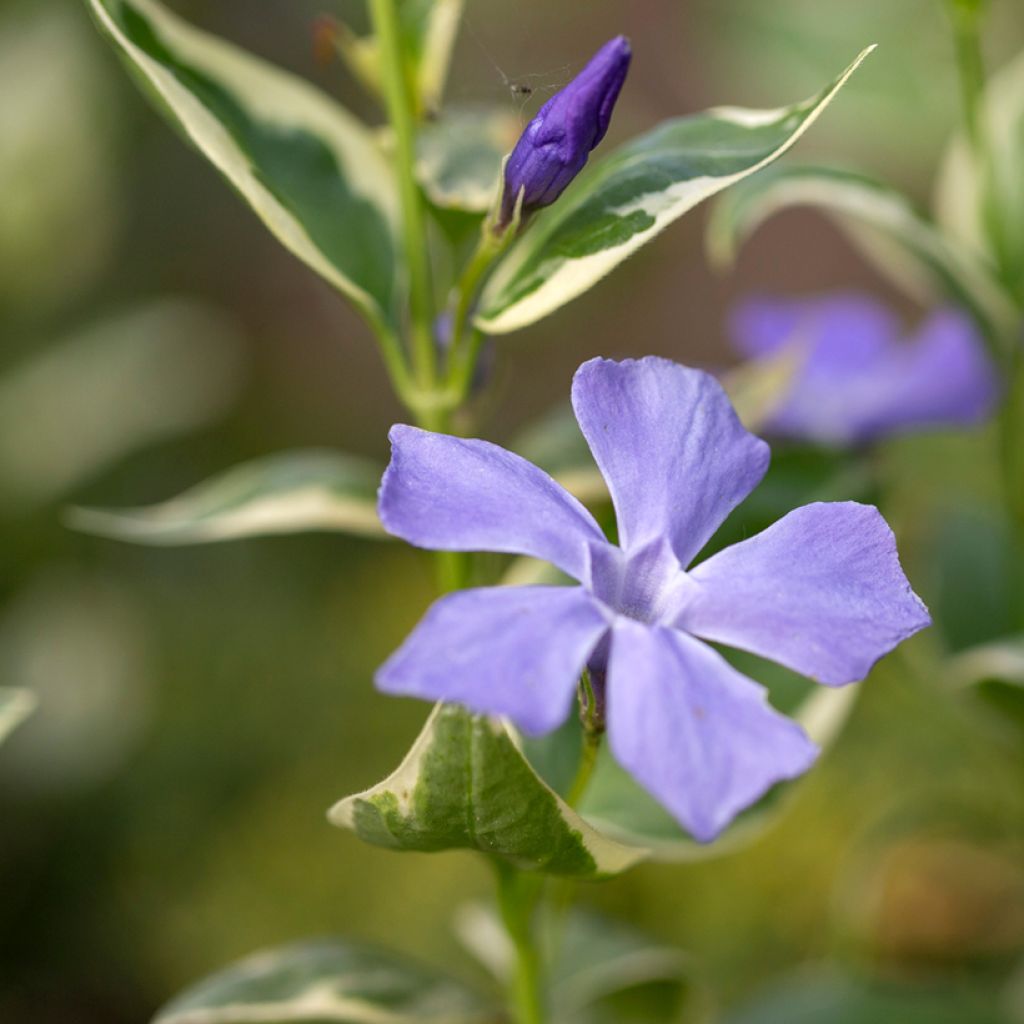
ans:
(319, 180)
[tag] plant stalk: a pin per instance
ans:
(399, 101)
(518, 895)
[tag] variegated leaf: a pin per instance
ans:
(460, 155)
(983, 206)
(328, 981)
(625, 200)
(883, 223)
(466, 785)
(290, 492)
(309, 170)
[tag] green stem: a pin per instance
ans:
(518, 895)
(398, 96)
(593, 731)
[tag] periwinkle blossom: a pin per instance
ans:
(821, 591)
(857, 379)
(555, 145)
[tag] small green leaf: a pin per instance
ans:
(625, 200)
(983, 207)
(309, 170)
(880, 220)
(328, 981)
(466, 785)
(15, 706)
(289, 492)
(460, 156)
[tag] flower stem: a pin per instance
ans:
(398, 96)
(518, 895)
(593, 730)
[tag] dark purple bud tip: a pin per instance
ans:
(556, 143)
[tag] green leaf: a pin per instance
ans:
(983, 207)
(607, 973)
(289, 492)
(620, 808)
(601, 971)
(819, 995)
(309, 170)
(466, 785)
(460, 156)
(905, 245)
(623, 201)
(316, 982)
(15, 706)
(431, 27)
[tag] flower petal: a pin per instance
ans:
(455, 494)
(941, 376)
(698, 735)
(858, 379)
(515, 651)
(821, 592)
(675, 456)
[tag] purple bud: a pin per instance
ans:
(557, 142)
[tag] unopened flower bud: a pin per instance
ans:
(557, 142)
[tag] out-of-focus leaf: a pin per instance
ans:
(15, 706)
(880, 220)
(756, 389)
(983, 207)
(606, 973)
(601, 971)
(555, 443)
(317, 982)
(57, 160)
(289, 492)
(460, 155)
(616, 805)
(821, 995)
(996, 672)
(123, 383)
(466, 785)
(309, 170)
(625, 200)
(77, 643)
(431, 27)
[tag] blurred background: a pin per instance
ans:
(163, 811)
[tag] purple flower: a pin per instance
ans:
(857, 379)
(556, 143)
(821, 591)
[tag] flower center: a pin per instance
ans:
(647, 584)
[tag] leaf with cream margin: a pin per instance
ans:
(328, 980)
(459, 157)
(15, 706)
(622, 202)
(309, 170)
(466, 785)
(883, 224)
(619, 808)
(110, 388)
(291, 492)
(983, 207)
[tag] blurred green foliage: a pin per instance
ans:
(164, 811)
